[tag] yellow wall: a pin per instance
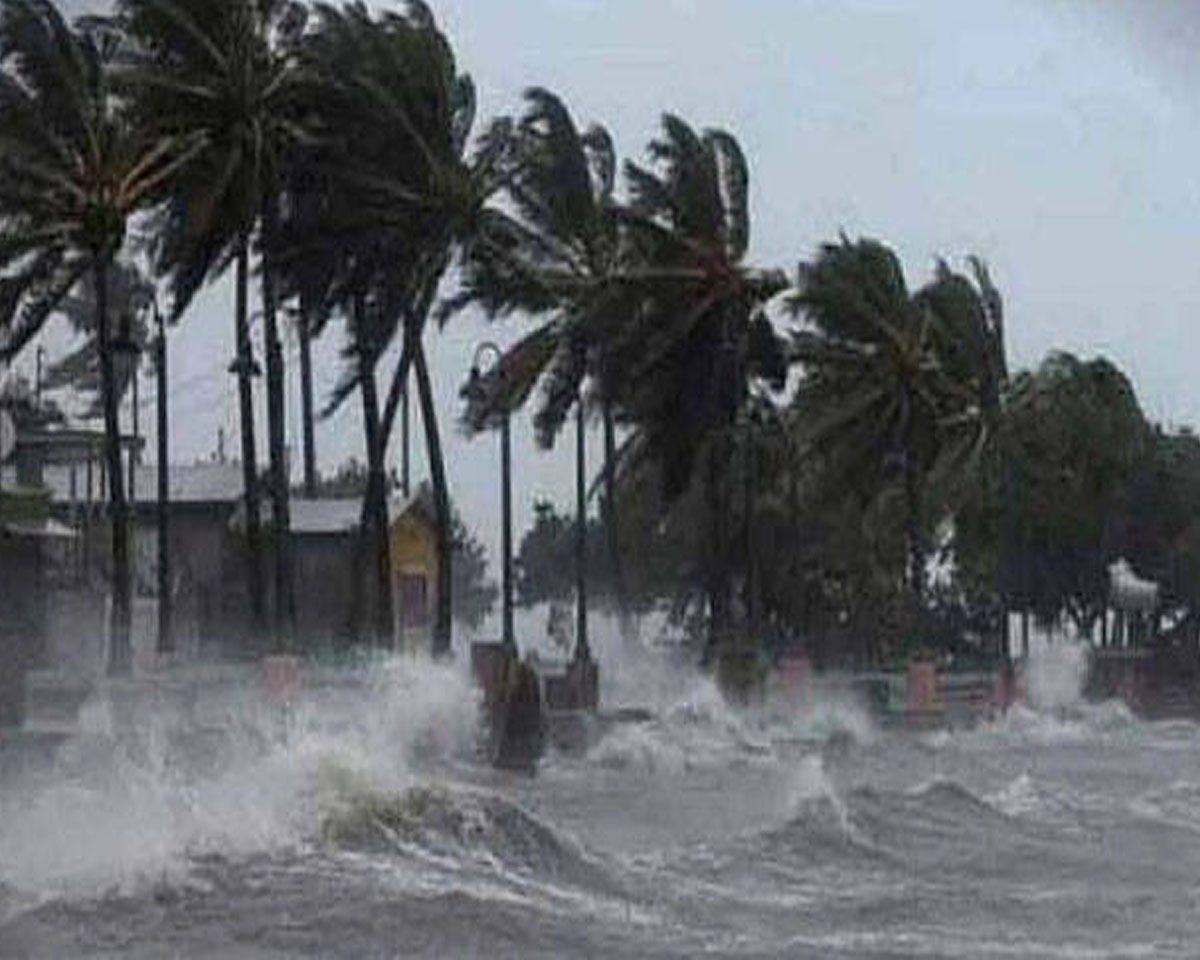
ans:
(413, 551)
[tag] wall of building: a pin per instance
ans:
(413, 554)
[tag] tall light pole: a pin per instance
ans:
(508, 638)
(165, 641)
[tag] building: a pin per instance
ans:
(58, 475)
(334, 586)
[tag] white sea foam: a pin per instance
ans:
(1054, 676)
(126, 805)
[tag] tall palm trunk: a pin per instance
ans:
(612, 537)
(120, 658)
(913, 535)
(377, 510)
(441, 502)
(245, 371)
(375, 501)
(720, 581)
(285, 605)
(306, 401)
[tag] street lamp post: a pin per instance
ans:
(508, 637)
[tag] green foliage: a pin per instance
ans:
(1044, 532)
(223, 78)
(902, 394)
(74, 164)
(130, 297)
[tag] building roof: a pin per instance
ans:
(44, 528)
(329, 516)
(325, 516)
(191, 483)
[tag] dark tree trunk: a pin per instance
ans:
(720, 588)
(914, 539)
(612, 537)
(582, 648)
(285, 604)
(749, 495)
(441, 501)
(306, 401)
(376, 497)
(405, 444)
(120, 653)
(245, 373)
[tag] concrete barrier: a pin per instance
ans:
(282, 678)
(578, 688)
(489, 661)
(795, 676)
(922, 693)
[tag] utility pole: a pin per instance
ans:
(37, 377)
(166, 642)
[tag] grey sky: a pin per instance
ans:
(1057, 139)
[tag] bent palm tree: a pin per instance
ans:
(224, 74)
(553, 256)
(904, 389)
(392, 122)
(130, 295)
(73, 169)
(694, 335)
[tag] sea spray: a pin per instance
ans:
(132, 797)
(1054, 676)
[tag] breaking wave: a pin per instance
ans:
(126, 804)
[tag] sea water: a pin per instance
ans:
(360, 823)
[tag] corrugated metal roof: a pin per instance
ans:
(190, 483)
(46, 528)
(326, 516)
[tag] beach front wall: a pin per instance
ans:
(22, 621)
(1156, 683)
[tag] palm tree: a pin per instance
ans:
(869, 388)
(225, 74)
(130, 296)
(73, 170)
(391, 127)
(903, 390)
(974, 466)
(694, 336)
(554, 255)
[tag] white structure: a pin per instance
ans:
(1128, 591)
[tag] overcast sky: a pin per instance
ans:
(1059, 140)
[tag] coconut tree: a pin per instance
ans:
(553, 252)
(225, 74)
(130, 294)
(73, 169)
(392, 121)
(903, 389)
(972, 478)
(694, 337)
